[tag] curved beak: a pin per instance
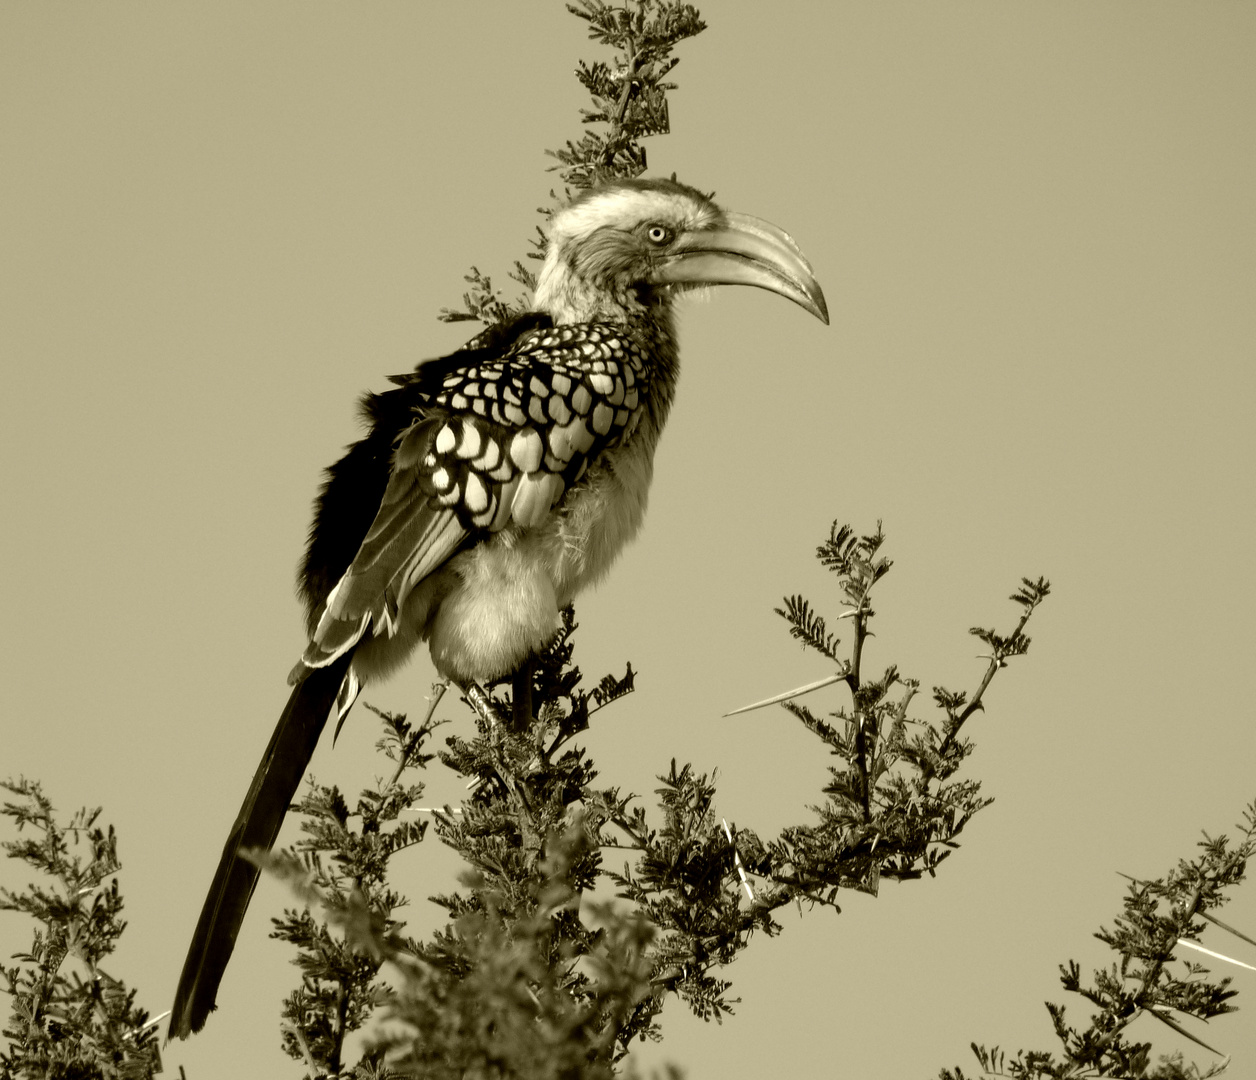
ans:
(744, 250)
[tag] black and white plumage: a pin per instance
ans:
(493, 486)
(492, 449)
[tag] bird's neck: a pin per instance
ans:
(646, 314)
(569, 295)
(655, 330)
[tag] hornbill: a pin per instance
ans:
(494, 484)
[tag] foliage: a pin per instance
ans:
(628, 95)
(84, 1024)
(533, 977)
(892, 809)
(1158, 918)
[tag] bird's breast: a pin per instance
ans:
(511, 588)
(599, 516)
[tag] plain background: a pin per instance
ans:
(1034, 225)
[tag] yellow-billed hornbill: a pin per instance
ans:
(494, 484)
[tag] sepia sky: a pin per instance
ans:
(1035, 226)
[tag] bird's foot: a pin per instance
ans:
(479, 700)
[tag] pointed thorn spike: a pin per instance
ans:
(1228, 927)
(1216, 955)
(1168, 1021)
(789, 694)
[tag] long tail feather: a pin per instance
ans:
(271, 793)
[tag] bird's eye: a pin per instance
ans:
(659, 234)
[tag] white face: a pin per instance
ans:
(605, 242)
(628, 209)
(627, 248)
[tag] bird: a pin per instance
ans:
(493, 485)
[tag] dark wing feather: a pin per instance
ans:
(348, 501)
(412, 535)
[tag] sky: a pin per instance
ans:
(1035, 228)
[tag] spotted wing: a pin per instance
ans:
(497, 443)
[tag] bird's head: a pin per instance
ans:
(633, 243)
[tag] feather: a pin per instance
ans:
(274, 784)
(535, 496)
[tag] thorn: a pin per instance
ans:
(789, 694)
(1208, 952)
(737, 862)
(1226, 926)
(1170, 1022)
(155, 1021)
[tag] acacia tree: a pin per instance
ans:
(68, 1017)
(529, 977)
(1149, 980)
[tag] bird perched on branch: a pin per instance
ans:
(494, 485)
